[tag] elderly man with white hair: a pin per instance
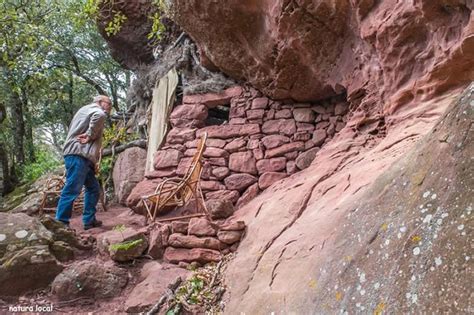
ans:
(81, 153)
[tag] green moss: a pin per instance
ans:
(125, 245)
(16, 197)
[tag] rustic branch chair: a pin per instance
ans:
(53, 187)
(176, 191)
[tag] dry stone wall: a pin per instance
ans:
(262, 142)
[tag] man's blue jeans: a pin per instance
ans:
(79, 172)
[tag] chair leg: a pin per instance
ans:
(157, 206)
(203, 201)
(147, 209)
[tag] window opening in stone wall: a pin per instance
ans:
(217, 116)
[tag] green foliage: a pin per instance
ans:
(113, 136)
(125, 245)
(45, 162)
(192, 290)
(157, 27)
(116, 135)
(91, 8)
(106, 166)
(172, 312)
(54, 61)
(115, 24)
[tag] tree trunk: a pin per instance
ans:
(3, 112)
(6, 185)
(30, 148)
(18, 127)
(113, 92)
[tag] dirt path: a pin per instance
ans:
(116, 215)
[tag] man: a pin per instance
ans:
(81, 153)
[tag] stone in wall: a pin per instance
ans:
(243, 162)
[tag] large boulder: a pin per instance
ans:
(143, 188)
(31, 251)
(311, 50)
(131, 46)
(89, 278)
(19, 230)
(129, 169)
(155, 279)
(27, 268)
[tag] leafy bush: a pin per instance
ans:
(45, 162)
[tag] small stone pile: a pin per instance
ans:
(262, 142)
(199, 240)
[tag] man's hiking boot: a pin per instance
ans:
(93, 224)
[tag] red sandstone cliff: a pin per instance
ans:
(382, 219)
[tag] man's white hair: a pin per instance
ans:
(99, 98)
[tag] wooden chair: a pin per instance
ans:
(175, 192)
(54, 186)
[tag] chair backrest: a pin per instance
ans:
(193, 174)
(55, 183)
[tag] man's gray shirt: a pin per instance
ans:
(90, 120)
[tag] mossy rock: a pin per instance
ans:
(89, 278)
(123, 245)
(19, 230)
(26, 269)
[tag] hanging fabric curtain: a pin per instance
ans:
(162, 103)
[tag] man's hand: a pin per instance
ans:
(83, 138)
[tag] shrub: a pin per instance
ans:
(45, 162)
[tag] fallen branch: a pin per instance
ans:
(169, 294)
(136, 143)
(218, 270)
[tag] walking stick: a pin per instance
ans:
(102, 196)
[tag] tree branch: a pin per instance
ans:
(141, 143)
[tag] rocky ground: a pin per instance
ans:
(123, 266)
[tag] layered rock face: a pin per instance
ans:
(308, 50)
(381, 221)
(261, 142)
(365, 229)
(130, 47)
